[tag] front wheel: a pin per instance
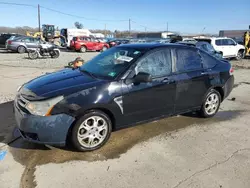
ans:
(104, 48)
(211, 104)
(83, 49)
(54, 54)
(91, 131)
(33, 54)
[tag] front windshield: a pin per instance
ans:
(112, 62)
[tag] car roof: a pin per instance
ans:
(150, 46)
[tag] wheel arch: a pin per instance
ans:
(220, 90)
(108, 112)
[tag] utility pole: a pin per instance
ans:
(105, 31)
(129, 27)
(145, 31)
(167, 28)
(39, 21)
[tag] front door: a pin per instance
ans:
(145, 101)
(191, 80)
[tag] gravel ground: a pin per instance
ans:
(22, 60)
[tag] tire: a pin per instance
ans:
(33, 54)
(104, 48)
(86, 136)
(21, 49)
(240, 55)
(55, 54)
(210, 103)
(83, 49)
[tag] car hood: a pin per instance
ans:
(64, 82)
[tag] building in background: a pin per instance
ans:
(153, 34)
(232, 33)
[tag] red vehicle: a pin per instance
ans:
(84, 44)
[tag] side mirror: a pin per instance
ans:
(141, 77)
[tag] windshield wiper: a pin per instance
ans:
(88, 73)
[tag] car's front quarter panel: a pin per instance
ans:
(107, 97)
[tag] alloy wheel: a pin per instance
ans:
(212, 103)
(92, 132)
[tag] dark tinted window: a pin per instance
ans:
(207, 60)
(157, 63)
(187, 60)
(228, 42)
(218, 42)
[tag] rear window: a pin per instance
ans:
(208, 61)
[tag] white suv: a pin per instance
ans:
(228, 47)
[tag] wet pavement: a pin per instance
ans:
(30, 155)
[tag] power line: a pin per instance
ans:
(64, 13)
(18, 4)
(82, 17)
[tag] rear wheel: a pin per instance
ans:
(21, 49)
(54, 54)
(91, 131)
(240, 55)
(211, 104)
(83, 49)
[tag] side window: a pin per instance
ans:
(26, 40)
(218, 42)
(157, 63)
(230, 42)
(187, 60)
(207, 60)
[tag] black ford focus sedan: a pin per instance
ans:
(121, 87)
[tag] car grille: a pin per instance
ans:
(21, 103)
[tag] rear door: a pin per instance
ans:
(30, 42)
(230, 46)
(191, 79)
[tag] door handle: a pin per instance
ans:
(203, 73)
(167, 80)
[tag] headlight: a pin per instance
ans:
(43, 108)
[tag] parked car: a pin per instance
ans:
(117, 42)
(22, 44)
(83, 44)
(227, 46)
(205, 46)
(123, 86)
(5, 36)
(189, 40)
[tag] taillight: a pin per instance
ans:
(9, 42)
(231, 71)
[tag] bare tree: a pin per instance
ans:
(78, 25)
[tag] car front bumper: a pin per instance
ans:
(51, 130)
